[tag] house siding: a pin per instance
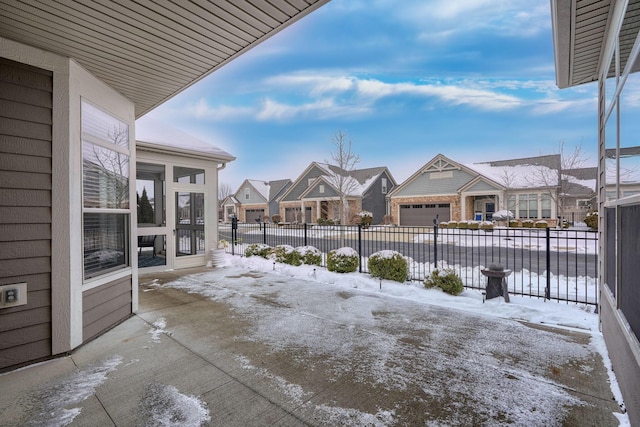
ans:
(374, 201)
(302, 184)
(315, 193)
(25, 209)
(274, 205)
(424, 185)
(254, 196)
(105, 306)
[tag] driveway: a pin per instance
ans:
(237, 347)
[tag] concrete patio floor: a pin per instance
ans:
(208, 350)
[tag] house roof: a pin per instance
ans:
(580, 39)
(149, 51)
(157, 136)
(262, 187)
(275, 187)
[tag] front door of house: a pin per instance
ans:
(189, 232)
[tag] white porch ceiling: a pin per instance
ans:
(149, 50)
(580, 28)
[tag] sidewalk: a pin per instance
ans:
(192, 360)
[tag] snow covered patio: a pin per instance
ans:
(247, 345)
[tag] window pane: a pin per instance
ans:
(102, 125)
(523, 207)
(150, 177)
(105, 177)
(188, 175)
(105, 243)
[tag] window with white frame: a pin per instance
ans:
(310, 181)
(105, 191)
(384, 185)
(321, 188)
(247, 193)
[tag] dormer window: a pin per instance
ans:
(247, 193)
(384, 185)
(310, 181)
(321, 188)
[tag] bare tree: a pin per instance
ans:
(554, 177)
(224, 190)
(508, 180)
(343, 162)
(112, 166)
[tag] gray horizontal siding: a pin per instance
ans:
(25, 210)
(105, 306)
(315, 193)
(422, 185)
(302, 184)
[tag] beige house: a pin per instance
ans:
(74, 78)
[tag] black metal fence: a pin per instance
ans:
(546, 263)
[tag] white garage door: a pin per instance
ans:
(424, 214)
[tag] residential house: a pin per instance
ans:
(258, 200)
(316, 193)
(599, 41)
(74, 77)
(230, 208)
(445, 190)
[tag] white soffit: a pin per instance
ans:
(579, 31)
(149, 50)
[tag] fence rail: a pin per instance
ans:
(546, 263)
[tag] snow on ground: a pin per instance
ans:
(330, 338)
(55, 397)
(165, 406)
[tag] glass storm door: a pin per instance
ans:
(189, 227)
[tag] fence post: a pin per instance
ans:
(305, 234)
(435, 246)
(547, 291)
(360, 247)
(264, 234)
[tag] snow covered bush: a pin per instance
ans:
(463, 224)
(387, 220)
(527, 223)
(448, 281)
(473, 225)
(343, 260)
(310, 255)
(541, 224)
(389, 265)
(287, 255)
(258, 249)
(452, 224)
(486, 225)
(366, 218)
(591, 220)
(325, 221)
(276, 218)
(514, 223)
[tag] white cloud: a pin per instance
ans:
(323, 108)
(203, 110)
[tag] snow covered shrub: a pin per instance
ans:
(287, 255)
(343, 260)
(452, 224)
(448, 281)
(389, 265)
(463, 224)
(473, 225)
(258, 249)
(541, 224)
(387, 219)
(591, 220)
(366, 218)
(310, 255)
(527, 223)
(486, 225)
(514, 223)
(443, 224)
(276, 219)
(325, 221)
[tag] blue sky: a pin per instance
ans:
(406, 80)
